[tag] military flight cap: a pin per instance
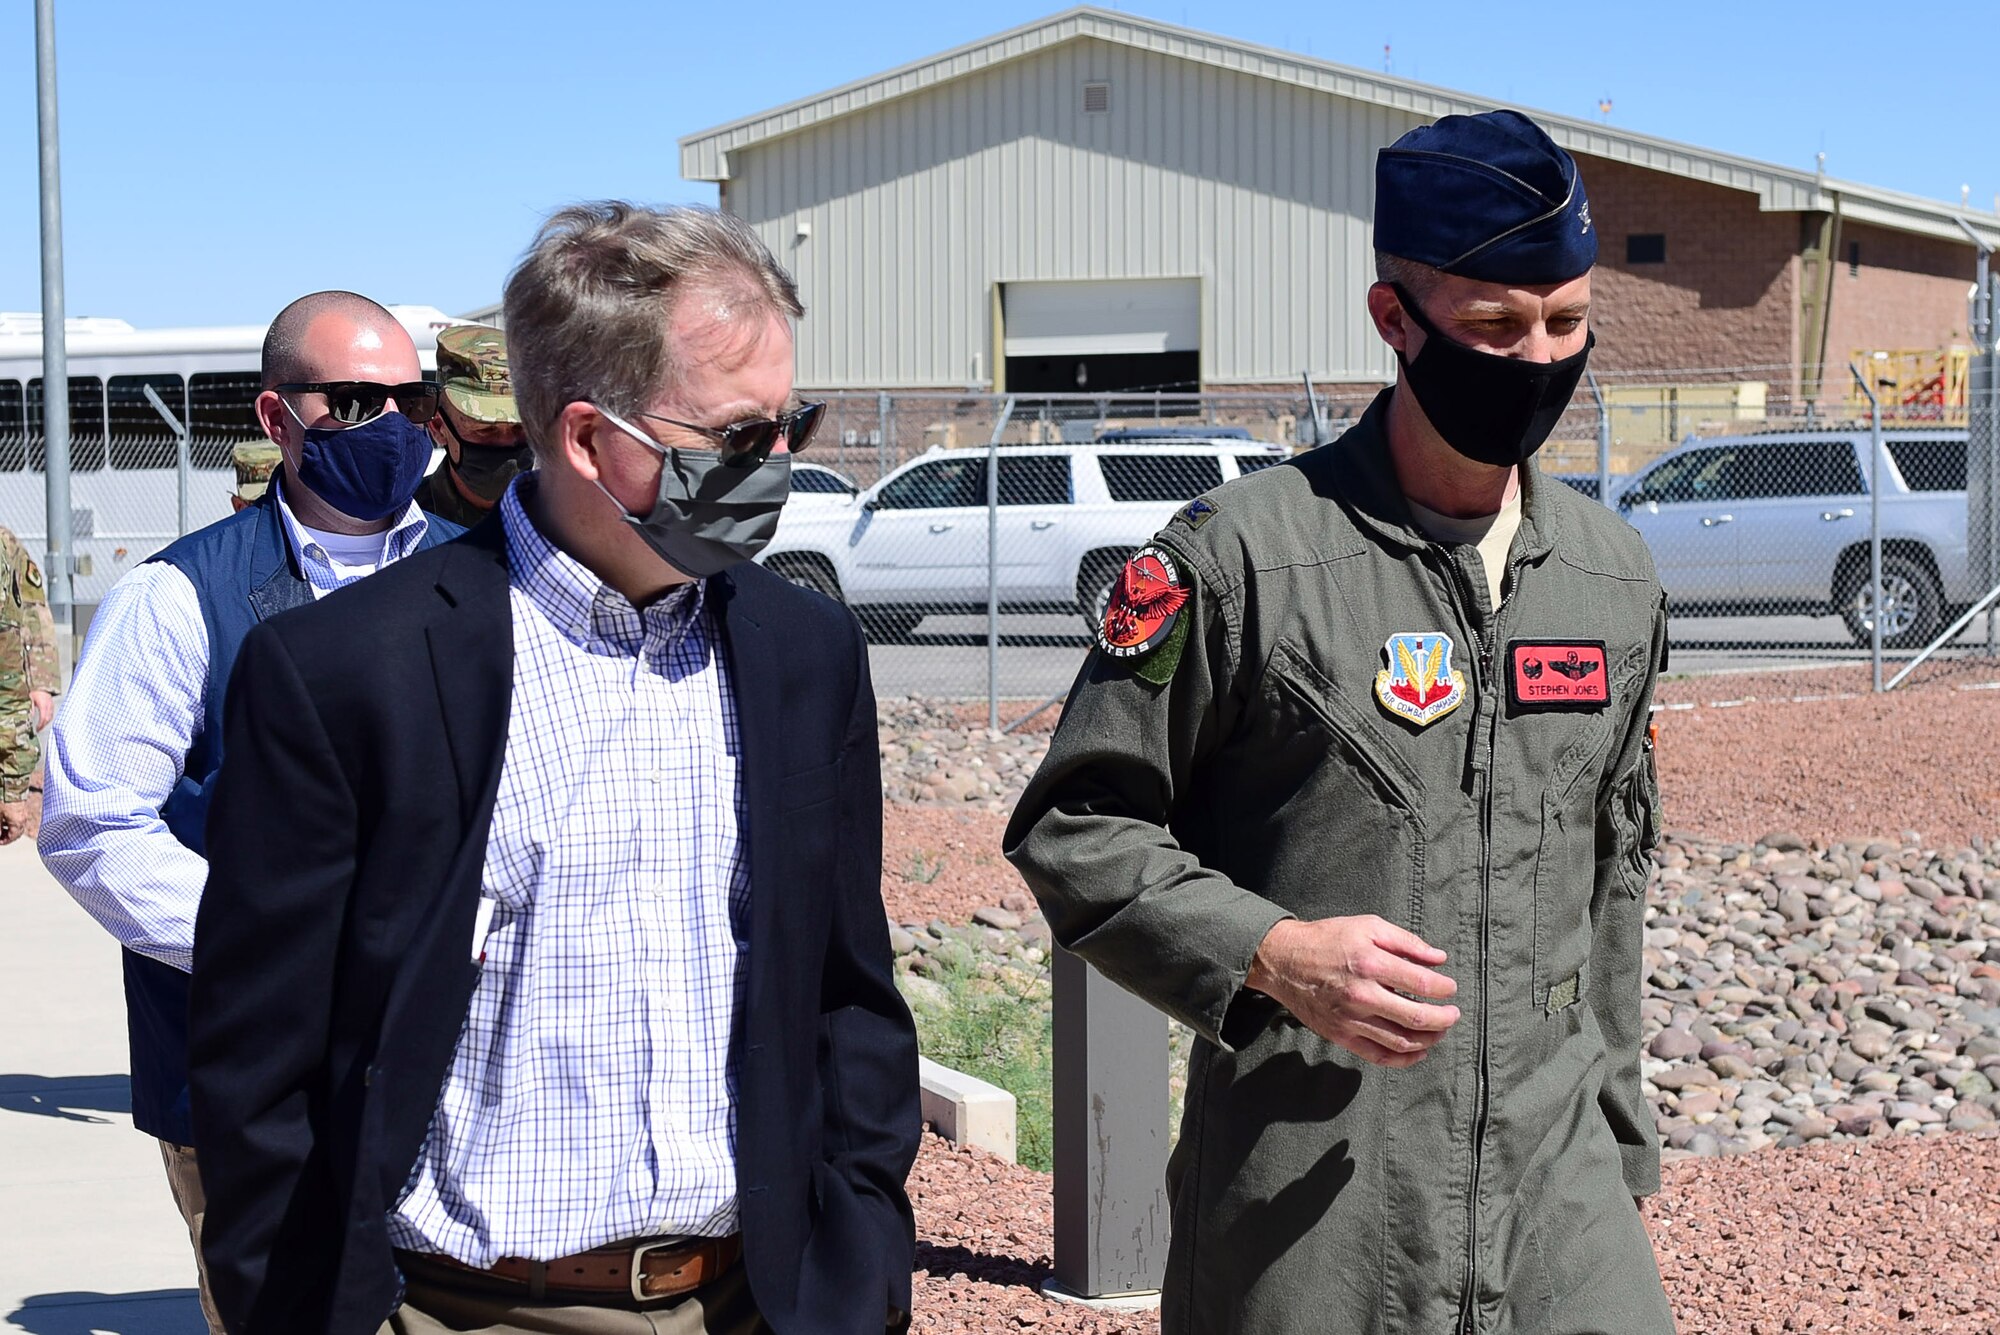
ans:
(255, 462)
(1489, 197)
(472, 366)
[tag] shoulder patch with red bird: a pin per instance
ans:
(1145, 605)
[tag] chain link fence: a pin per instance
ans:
(139, 477)
(1753, 492)
(976, 536)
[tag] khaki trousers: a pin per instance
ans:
(185, 1180)
(434, 1305)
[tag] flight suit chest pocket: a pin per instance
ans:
(1567, 860)
(1354, 838)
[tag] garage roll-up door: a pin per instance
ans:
(1124, 315)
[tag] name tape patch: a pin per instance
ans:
(1557, 674)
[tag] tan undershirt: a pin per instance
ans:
(1492, 535)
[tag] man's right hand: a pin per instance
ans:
(19, 818)
(1341, 977)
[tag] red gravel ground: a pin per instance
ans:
(1900, 1234)
(959, 849)
(1895, 1235)
(1785, 751)
(1755, 753)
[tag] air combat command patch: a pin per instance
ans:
(1419, 684)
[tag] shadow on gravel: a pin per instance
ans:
(159, 1312)
(72, 1098)
(943, 1262)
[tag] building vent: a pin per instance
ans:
(1096, 97)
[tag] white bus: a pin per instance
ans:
(125, 493)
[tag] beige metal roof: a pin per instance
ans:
(705, 156)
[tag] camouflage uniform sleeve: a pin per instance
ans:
(21, 599)
(1628, 827)
(1091, 834)
(38, 631)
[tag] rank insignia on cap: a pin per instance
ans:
(1420, 683)
(1146, 602)
(1557, 674)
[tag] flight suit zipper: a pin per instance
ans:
(1465, 601)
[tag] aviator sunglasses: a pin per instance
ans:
(355, 402)
(745, 444)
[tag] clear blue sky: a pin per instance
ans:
(221, 157)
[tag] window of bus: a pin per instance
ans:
(13, 426)
(140, 437)
(222, 414)
(86, 424)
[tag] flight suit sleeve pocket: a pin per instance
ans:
(1636, 812)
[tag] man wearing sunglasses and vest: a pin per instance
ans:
(543, 982)
(133, 759)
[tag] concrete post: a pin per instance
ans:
(1110, 1137)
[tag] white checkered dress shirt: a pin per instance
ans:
(592, 1097)
(317, 565)
(119, 744)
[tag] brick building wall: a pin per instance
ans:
(1905, 293)
(1726, 294)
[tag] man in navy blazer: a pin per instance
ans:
(542, 979)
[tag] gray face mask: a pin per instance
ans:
(710, 515)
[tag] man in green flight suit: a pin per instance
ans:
(29, 683)
(1358, 784)
(477, 426)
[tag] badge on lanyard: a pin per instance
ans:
(1420, 683)
(1557, 674)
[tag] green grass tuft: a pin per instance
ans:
(995, 1030)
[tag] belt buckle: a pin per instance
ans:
(638, 1274)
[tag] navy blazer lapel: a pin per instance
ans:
(471, 641)
(751, 645)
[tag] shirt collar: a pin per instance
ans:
(404, 534)
(581, 607)
(1375, 496)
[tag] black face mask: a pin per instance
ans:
(1493, 409)
(487, 469)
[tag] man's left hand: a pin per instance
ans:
(45, 708)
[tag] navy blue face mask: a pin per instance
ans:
(366, 472)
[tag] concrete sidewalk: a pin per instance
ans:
(93, 1243)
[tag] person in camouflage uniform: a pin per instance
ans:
(29, 682)
(255, 462)
(477, 426)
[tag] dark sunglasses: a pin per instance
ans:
(353, 402)
(742, 444)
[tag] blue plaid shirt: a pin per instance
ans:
(592, 1097)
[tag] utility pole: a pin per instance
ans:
(60, 564)
(1983, 438)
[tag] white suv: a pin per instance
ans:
(915, 544)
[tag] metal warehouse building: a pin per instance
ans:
(1102, 202)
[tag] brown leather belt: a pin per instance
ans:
(642, 1271)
